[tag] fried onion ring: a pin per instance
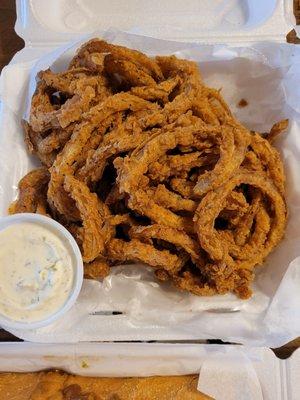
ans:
(121, 251)
(93, 216)
(145, 163)
(206, 215)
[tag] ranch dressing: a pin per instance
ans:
(36, 273)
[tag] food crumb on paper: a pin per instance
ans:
(242, 103)
(84, 364)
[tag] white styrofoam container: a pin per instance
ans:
(226, 371)
(210, 21)
(191, 20)
(44, 27)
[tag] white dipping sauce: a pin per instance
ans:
(36, 274)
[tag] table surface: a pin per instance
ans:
(10, 43)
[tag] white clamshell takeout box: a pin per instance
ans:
(240, 46)
(227, 372)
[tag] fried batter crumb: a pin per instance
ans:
(242, 103)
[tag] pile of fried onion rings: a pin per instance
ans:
(142, 162)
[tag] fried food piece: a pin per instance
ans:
(179, 165)
(97, 269)
(113, 196)
(206, 103)
(160, 91)
(32, 193)
(72, 109)
(75, 82)
(250, 249)
(276, 129)
(93, 215)
(75, 230)
(46, 147)
(135, 250)
(64, 163)
(129, 72)
(242, 103)
(132, 169)
(167, 234)
(63, 81)
(269, 160)
(218, 105)
(224, 279)
(236, 206)
(95, 139)
(144, 204)
(182, 186)
(29, 137)
(232, 149)
(204, 220)
(124, 138)
(41, 111)
(187, 71)
(59, 385)
(92, 61)
(119, 52)
(119, 219)
(233, 144)
(173, 201)
(73, 97)
(268, 230)
(246, 218)
(56, 139)
(194, 284)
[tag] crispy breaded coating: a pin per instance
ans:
(145, 163)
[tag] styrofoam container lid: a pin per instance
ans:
(228, 372)
(210, 21)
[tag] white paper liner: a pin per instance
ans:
(235, 373)
(267, 76)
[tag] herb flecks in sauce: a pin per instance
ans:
(36, 272)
